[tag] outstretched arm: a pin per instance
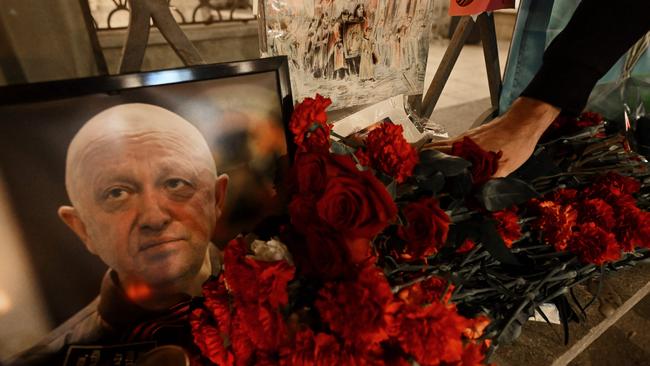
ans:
(597, 35)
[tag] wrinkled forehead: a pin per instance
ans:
(120, 138)
(134, 131)
(142, 145)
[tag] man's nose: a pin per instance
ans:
(153, 214)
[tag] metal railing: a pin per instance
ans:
(114, 14)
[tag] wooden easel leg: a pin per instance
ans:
(9, 63)
(485, 23)
(172, 32)
(100, 60)
(136, 38)
(441, 76)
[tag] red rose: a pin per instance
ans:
(426, 228)
(356, 310)
(354, 203)
(484, 163)
(432, 335)
(309, 124)
(594, 245)
(309, 173)
(329, 256)
(508, 225)
(390, 153)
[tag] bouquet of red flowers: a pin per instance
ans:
(393, 256)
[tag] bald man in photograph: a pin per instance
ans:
(145, 197)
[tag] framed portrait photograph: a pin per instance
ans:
(239, 110)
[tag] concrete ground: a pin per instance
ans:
(466, 94)
(625, 343)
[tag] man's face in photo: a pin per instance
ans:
(150, 210)
(147, 200)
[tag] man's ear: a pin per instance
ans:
(70, 217)
(220, 186)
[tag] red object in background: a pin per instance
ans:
(472, 7)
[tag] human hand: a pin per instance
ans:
(515, 133)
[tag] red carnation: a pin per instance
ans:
(259, 292)
(556, 222)
(211, 325)
(564, 196)
(431, 335)
(320, 349)
(362, 157)
(390, 153)
(589, 119)
(611, 187)
(473, 355)
(476, 327)
(633, 226)
(467, 245)
(484, 163)
(597, 210)
(309, 124)
(565, 125)
(594, 245)
(508, 225)
(427, 291)
(356, 310)
(426, 228)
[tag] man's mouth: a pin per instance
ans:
(157, 242)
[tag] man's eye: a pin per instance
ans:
(176, 184)
(116, 193)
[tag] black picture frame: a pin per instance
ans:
(67, 287)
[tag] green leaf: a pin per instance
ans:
(341, 149)
(314, 126)
(436, 161)
(459, 186)
(433, 183)
(501, 193)
(392, 189)
(493, 242)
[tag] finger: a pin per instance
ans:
(438, 144)
(503, 171)
(442, 148)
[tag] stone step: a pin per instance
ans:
(542, 345)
